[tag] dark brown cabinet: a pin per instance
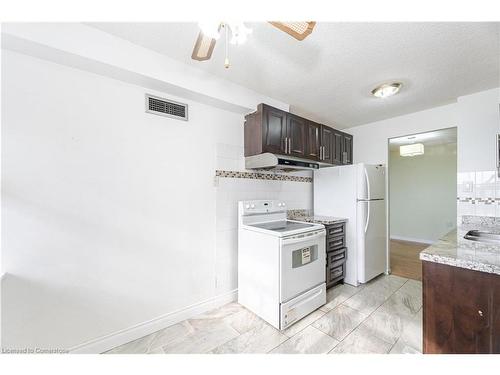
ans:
(313, 140)
(296, 135)
(272, 130)
(326, 151)
(346, 148)
(461, 310)
(336, 253)
(337, 148)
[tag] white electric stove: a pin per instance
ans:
(281, 263)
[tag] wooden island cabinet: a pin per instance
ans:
(461, 310)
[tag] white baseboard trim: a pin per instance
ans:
(410, 239)
(107, 342)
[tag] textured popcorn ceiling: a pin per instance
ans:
(328, 76)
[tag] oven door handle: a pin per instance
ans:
(304, 238)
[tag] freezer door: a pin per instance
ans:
(372, 239)
(371, 182)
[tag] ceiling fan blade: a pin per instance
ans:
(299, 30)
(203, 48)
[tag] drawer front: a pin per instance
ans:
(295, 309)
(333, 243)
(335, 230)
(336, 258)
(336, 272)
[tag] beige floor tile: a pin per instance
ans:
(258, 340)
(339, 322)
(360, 341)
(204, 335)
(338, 294)
(303, 323)
(308, 341)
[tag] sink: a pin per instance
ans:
(480, 236)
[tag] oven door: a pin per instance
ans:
(302, 263)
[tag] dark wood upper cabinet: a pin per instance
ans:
(313, 139)
(272, 130)
(346, 148)
(327, 144)
(296, 135)
(338, 144)
(461, 310)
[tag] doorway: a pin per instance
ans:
(422, 177)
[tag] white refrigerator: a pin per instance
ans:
(356, 192)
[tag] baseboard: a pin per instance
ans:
(410, 239)
(105, 343)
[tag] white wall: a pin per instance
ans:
(478, 124)
(371, 140)
(423, 194)
(84, 47)
(477, 118)
(109, 213)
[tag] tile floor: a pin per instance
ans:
(383, 316)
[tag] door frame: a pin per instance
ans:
(388, 190)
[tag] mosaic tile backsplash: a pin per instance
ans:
(262, 176)
(478, 193)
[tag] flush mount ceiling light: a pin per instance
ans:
(413, 149)
(387, 89)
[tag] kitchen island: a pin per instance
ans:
(461, 291)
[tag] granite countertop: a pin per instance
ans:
(307, 216)
(454, 250)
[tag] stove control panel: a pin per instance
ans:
(262, 206)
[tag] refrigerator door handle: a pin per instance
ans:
(367, 216)
(367, 184)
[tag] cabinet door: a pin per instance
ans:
(327, 144)
(313, 140)
(296, 132)
(338, 141)
(456, 310)
(471, 312)
(274, 127)
(347, 149)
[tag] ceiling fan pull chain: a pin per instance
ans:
(226, 60)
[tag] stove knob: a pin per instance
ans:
(252, 206)
(247, 206)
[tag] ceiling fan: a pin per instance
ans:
(210, 32)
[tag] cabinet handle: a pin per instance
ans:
(320, 152)
(344, 157)
(480, 313)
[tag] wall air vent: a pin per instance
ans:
(165, 107)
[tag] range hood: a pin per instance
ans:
(279, 162)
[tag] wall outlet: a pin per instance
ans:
(468, 187)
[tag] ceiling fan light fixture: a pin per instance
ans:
(210, 29)
(239, 32)
(386, 89)
(299, 30)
